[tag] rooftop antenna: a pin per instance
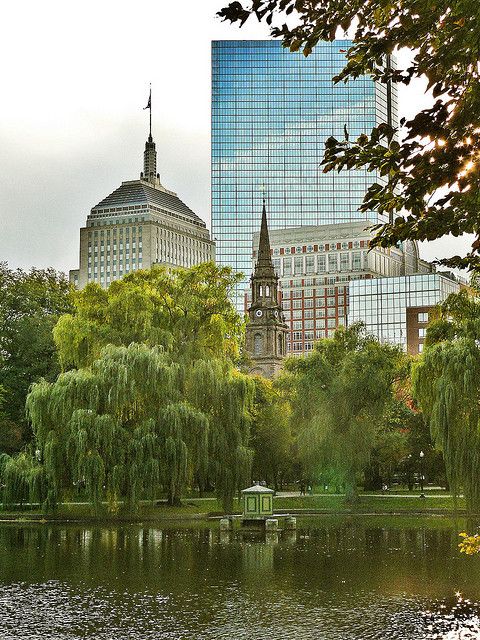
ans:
(263, 189)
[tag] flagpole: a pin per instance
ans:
(150, 101)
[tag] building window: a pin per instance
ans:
(423, 317)
(280, 345)
(420, 347)
(321, 264)
(287, 267)
(257, 344)
(422, 333)
(298, 266)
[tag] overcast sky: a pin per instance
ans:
(74, 81)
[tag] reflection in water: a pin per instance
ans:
(453, 619)
(336, 580)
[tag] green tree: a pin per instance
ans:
(10, 432)
(135, 421)
(30, 305)
(446, 385)
(432, 164)
(390, 447)
(339, 393)
(186, 311)
(271, 434)
(149, 396)
(226, 397)
(22, 479)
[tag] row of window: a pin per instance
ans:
(320, 312)
(331, 246)
(308, 303)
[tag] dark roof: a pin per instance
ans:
(138, 192)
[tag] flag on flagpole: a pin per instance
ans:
(149, 103)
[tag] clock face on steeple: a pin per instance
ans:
(258, 313)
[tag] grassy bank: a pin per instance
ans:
(196, 508)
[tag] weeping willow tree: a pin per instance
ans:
(186, 311)
(22, 478)
(118, 429)
(226, 396)
(446, 385)
(135, 421)
(338, 395)
(148, 396)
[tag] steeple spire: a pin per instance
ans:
(264, 265)
(150, 154)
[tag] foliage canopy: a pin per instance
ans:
(30, 305)
(186, 311)
(339, 394)
(135, 420)
(446, 384)
(149, 396)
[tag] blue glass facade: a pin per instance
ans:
(382, 304)
(272, 111)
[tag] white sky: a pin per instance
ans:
(74, 81)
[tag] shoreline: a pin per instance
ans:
(214, 517)
(208, 509)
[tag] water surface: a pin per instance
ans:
(335, 579)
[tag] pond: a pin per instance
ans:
(334, 579)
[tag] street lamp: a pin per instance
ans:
(422, 455)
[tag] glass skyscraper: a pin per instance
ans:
(383, 304)
(272, 111)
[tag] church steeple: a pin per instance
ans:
(264, 265)
(266, 330)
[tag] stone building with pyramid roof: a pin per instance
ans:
(138, 225)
